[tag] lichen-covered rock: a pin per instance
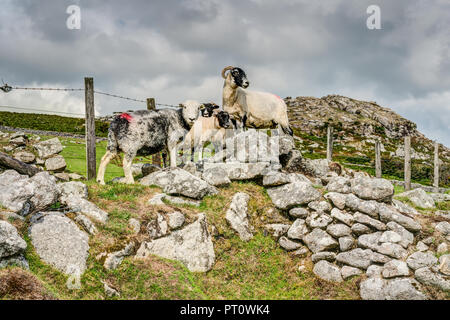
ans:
(443, 227)
(389, 213)
(339, 184)
(114, 259)
(421, 260)
(346, 243)
(372, 188)
(419, 197)
(342, 216)
(360, 229)
(217, 177)
(24, 156)
(369, 207)
(390, 236)
(239, 170)
(288, 245)
(158, 227)
(299, 213)
(320, 206)
(83, 206)
(428, 277)
(339, 230)
(10, 241)
(175, 220)
(277, 229)
(55, 164)
(395, 268)
(324, 255)
(298, 229)
(348, 272)
(357, 258)
(317, 220)
(87, 224)
(48, 148)
(318, 240)
(407, 237)
(327, 271)
(365, 219)
(293, 194)
(392, 250)
(191, 245)
(237, 217)
(338, 199)
(72, 189)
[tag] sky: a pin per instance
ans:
(175, 50)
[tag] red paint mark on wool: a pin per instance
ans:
(277, 96)
(126, 116)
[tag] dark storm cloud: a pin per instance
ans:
(174, 50)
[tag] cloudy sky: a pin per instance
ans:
(175, 50)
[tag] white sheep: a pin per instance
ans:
(207, 129)
(254, 109)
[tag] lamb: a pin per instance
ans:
(208, 109)
(146, 132)
(254, 109)
(207, 129)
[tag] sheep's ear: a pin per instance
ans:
(202, 106)
(182, 105)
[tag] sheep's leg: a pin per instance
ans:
(102, 168)
(164, 156)
(127, 163)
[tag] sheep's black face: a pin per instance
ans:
(240, 78)
(208, 109)
(224, 119)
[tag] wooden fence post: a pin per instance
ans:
(378, 159)
(330, 143)
(407, 163)
(156, 158)
(436, 167)
(90, 128)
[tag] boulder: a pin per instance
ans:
(360, 229)
(298, 229)
(338, 199)
(339, 184)
(370, 240)
(83, 206)
(407, 237)
(374, 271)
(404, 208)
(348, 272)
(365, 219)
(395, 268)
(237, 216)
(55, 164)
(346, 243)
(389, 213)
(72, 189)
(327, 271)
(191, 245)
(59, 242)
(240, 171)
(428, 277)
(392, 250)
(390, 236)
(339, 230)
(293, 194)
(158, 227)
(175, 220)
(318, 240)
(421, 260)
(10, 242)
(292, 161)
(275, 179)
(25, 156)
(48, 148)
(317, 220)
(369, 207)
(342, 216)
(419, 197)
(299, 213)
(403, 289)
(357, 258)
(177, 181)
(320, 206)
(372, 188)
(217, 177)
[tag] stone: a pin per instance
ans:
(157, 199)
(191, 245)
(372, 289)
(148, 168)
(316, 167)
(217, 177)
(316, 220)
(86, 224)
(443, 227)
(24, 195)
(369, 240)
(110, 292)
(176, 181)
(48, 148)
(293, 194)
(374, 271)
(24, 156)
(175, 220)
(365, 219)
(442, 248)
(395, 268)
(444, 264)
(348, 272)
(277, 229)
(338, 199)
(14, 261)
(62, 176)
(339, 230)
(10, 241)
(407, 237)
(369, 207)
(428, 277)
(419, 260)
(318, 240)
(76, 176)
(390, 236)
(372, 188)
(403, 289)
(299, 213)
(288, 245)
(379, 258)
(72, 189)
(389, 213)
(240, 171)
(357, 258)
(404, 208)
(135, 225)
(420, 246)
(158, 227)
(59, 242)
(297, 230)
(293, 161)
(275, 179)
(428, 240)
(339, 184)
(81, 205)
(324, 255)
(237, 216)
(327, 271)
(342, 216)
(302, 252)
(114, 259)
(55, 164)
(392, 250)
(346, 243)
(320, 206)
(443, 214)
(18, 141)
(360, 229)
(419, 198)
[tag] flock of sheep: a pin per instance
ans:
(146, 132)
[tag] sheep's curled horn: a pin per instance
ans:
(225, 70)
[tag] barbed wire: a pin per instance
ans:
(32, 109)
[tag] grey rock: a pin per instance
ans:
(428, 240)
(72, 189)
(404, 208)
(421, 259)
(372, 188)
(191, 245)
(442, 248)
(181, 201)
(299, 213)
(317, 220)
(403, 289)
(324, 255)
(389, 213)
(443, 227)
(217, 177)
(288, 245)
(338, 199)
(419, 197)
(320, 206)
(372, 289)
(395, 268)
(339, 230)
(298, 229)
(240, 171)
(369, 207)
(348, 272)
(114, 259)
(327, 271)
(59, 242)
(14, 261)
(357, 258)
(293, 161)
(10, 241)
(428, 277)
(157, 199)
(135, 225)
(374, 271)
(110, 292)
(318, 240)
(443, 214)
(48, 148)
(81, 205)
(439, 197)
(175, 220)
(360, 229)
(346, 243)
(61, 176)
(158, 227)
(407, 237)
(379, 258)
(148, 168)
(275, 178)
(237, 216)
(390, 236)
(369, 240)
(24, 156)
(420, 246)
(339, 184)
(302, 252)
(293, 194)
(87, 224)
(277, 229)
(365, 219)
(56, 164)
(342, 216)
(393, 250)
(76, 176)
(444, 264)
